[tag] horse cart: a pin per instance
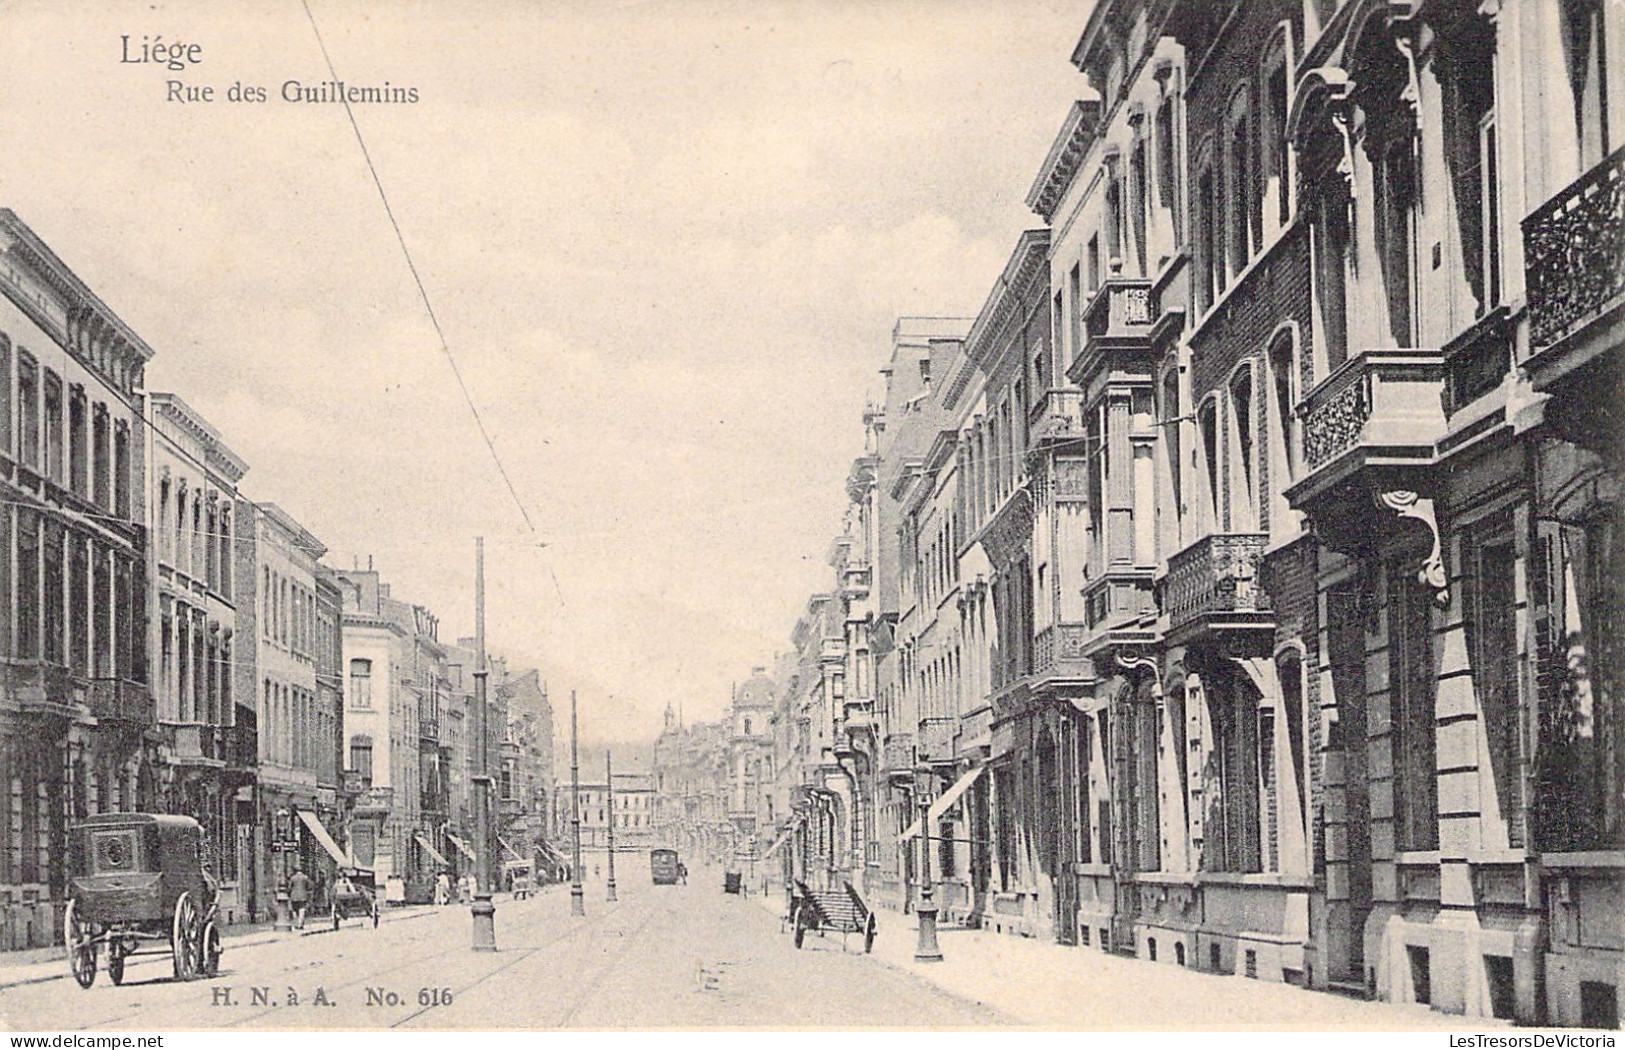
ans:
(839, 911)
(137, 885)
(355, 896)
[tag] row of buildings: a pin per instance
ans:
(1239, 588)
(169, 645)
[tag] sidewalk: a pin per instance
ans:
(35, 965)
(1049, 985)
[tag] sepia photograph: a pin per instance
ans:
(589, 516)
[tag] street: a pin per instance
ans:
(665, 956)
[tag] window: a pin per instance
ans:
(121, 469)
(77, 446)
(1207, 422)
(1233, 841)
(1275, 165)
(1210, 281)
(1241, 210)
(1585, 53)
(1168, 166)
(1411, 684)
(1139, 200)
(5, 394)
(101, 459)
(1284, 429)
(1470, 154)
(360, 683)
(1395, 202)
(1113, 220)
(52, 595)
(1580, 763)
(1493, 648)
(1075, 298)
(1243, 502)
(27, 410)
(1289, 672)
(1330, 245)
(53, 426)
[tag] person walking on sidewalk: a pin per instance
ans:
(299, 896)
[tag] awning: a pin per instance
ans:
(784, 837)
(462, 847)
(510, 849)
(319, 833)
(945, 801)
(429, 848)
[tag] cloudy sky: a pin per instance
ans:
(666, 241)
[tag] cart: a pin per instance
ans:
(355, 895)
(137, 886)
(520, 876)
(840, 911)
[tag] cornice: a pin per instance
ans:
(1066, 155)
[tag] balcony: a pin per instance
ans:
(1370, 427)
(354, 783)
(1212, 588)
(1116, 608)
(833, 649)
(194, 744)
(429, 728)
(1574, 255)
(976, 730)
(1121, 318)
(375, 800)
(1057, 416)
(897, 754)
(118, 700)
(241, 747)
(855, 580)
(1476, 361)
(936, 739)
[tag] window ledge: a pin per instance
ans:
(1417, 858)
(1586, 859)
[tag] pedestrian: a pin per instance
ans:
(442, 889)
(299, 896)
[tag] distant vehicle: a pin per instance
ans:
(355, 895)
(520, 876)
(137, 885)
(664, 867)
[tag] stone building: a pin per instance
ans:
(297, 728)
(78, 717)
(208, 754)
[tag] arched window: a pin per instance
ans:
(1281, 423)
(1390, 143)
(1243, 501)
(5, 394)
(1275, 84)
(1207, 425)
(1241, 206)
(360, 683)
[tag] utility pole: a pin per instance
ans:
(609, 792)
(578, 904)
(484, 912)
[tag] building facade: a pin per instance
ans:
(209, 756)
(78, 715)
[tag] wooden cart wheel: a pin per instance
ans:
(77, 939)
(869, 935)
(115, 963)
(184, 938)
(209, 962)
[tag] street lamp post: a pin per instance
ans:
(284, 915)
(578, 904)
(926, 950)
(609, 793)
(482, 910)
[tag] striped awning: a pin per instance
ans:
(944, 801)
(319, 833)
(428, 847)
(462, 847)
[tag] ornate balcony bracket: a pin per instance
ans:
(1409, 505)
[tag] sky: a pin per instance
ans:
(666, 242)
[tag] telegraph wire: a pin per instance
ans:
(445, 347)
